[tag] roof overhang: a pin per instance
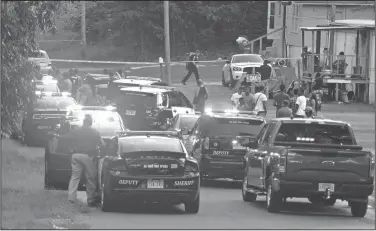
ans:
(331, 28)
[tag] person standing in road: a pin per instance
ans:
(85, 141)
(235, 98)
(266, 73)
(67, 83)
(284, 111)
(201, 95)
(301, 103)
(261, 101)
(191, 66)
(280, 97)
(84, 93)
(248, 98)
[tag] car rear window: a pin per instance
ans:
(138, 99)
(315, 133)
(97, 115)
(230, 126)
(61, 103)
(144, 144)
(247, 59)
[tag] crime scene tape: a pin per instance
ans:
(117, 62)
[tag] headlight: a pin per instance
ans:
(236, 68)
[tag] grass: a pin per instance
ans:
(25, 203)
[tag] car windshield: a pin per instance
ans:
(144, 144)
(47, 88)
(247, 59)
(187, 122)
(137, 99)
(60, 103)
(315, 133)
(230, 127)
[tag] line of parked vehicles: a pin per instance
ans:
(159, 149)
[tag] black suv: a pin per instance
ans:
(215, 141)
(146, 107)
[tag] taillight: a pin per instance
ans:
(372, 167)
(191, 169)
(282, 164)
(206, 143)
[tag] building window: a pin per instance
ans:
(295, 18)
(271, 15)
(279, 8)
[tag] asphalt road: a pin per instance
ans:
(221, 204)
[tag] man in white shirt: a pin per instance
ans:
(260, 101)
(301, 104)
(235, 98)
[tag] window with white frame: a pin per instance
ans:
(295, 18)
(271, 15)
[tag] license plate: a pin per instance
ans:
(155, 184)
(324, 186)
(253, 78)
(43, 127)
(221, 153)
(130, 113)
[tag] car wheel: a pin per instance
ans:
(273, 199)
(247, 196)
(27, 139)
(106, 203)
(47, 184)
(224, 84)
(359, 209)
(192, 206)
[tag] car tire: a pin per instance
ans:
(106, 203)
(359, 209)
(273, 199)
(192, 206)
(247, 196)
(224, 84)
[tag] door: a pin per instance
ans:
(254, 160)
(58, 168)
(263, 153)
(192, 139)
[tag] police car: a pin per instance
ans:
(147, 107)
(46, 84)
(58, 155)
(44, 115)
(149, 166)
(215, 141)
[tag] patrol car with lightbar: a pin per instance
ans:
(105, 120)
(44, 115)
(216, 138)
(150, 107)
(149, 166)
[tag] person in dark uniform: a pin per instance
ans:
(84, 142)
(201, 95)
(191, 66)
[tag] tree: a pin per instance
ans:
(20, 21)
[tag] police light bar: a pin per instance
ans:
(49, 82)
(155, 86)
(48, 93)
(144, 78)
(149, 133)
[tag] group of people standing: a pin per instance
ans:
(294, 104)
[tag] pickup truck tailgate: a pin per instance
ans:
(328, 165)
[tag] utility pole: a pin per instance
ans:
(284, 32)
(284, 47)
(167, 39)
(83, 27)
(331, 41)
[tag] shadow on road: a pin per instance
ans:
(221, 184)
(143, 208)
(306, 209)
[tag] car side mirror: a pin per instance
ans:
(228, 61)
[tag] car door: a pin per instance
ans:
(254, 162)
(193, 138)
(58, 170)
(178, 105)
(264, 152)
